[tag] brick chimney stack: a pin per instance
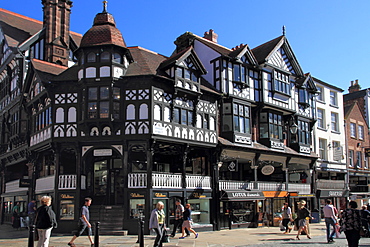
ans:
(57, 27)
(210, 35)
(355, 87)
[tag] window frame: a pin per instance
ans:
(360, 129)
(333, 98)
(323, 150)
(353, 130)
(241, 114)
(321, 119)
(334, 122)
(281, 83)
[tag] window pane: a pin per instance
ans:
(91, 57)
(187, 74)
(190, 118)
(117, 58)
(105, 57)
(246, 126)
(236, 123)
(241, 124)
(116, 107)
(93, 93)
(236, 72)
(104, 109)
(176, 115)
(92, 110)
(104, 93)
(116, 93)
(183, 117)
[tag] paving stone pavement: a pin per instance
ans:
(264, 236)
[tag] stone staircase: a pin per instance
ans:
(110, 218)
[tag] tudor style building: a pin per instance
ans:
(227, 130)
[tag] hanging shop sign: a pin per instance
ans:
(25, 182)
(367, 152)
(267, 170)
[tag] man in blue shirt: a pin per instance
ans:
(84, 223)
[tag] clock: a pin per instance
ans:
(117, 72)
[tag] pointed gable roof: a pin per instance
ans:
(181, 56)
(278, 51)
(243, 50)
(307, 80)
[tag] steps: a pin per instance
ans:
(110, 218)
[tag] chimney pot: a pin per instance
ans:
(210, 35)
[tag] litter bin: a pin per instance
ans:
(316, 217)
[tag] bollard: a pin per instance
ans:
(31, 233)
(96, 235)
(140, 233)
(141, 239)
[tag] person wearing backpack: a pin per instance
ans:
(45, 221)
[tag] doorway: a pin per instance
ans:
(108, 180)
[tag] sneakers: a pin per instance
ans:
(172, 236)
(330, 241)
(196, 235)
(181, 237)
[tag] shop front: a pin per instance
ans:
(338, 198)
(273, 206)
(201, 208)
(240, 208)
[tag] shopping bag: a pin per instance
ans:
(337, 230)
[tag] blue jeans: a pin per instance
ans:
(329, 222)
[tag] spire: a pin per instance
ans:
(283, 30)
(105, 6)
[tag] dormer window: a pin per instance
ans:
(281, 83)
(239, 73)
(187, 74)
(91, 57)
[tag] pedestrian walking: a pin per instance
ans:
(157, 223)
(287, 217)
(179, 219)
(303, 214)
(16, 216)
(330, 220)
(350, 224)
(45, 221)
(187, 222)
(84, 223)
(365, 216)
(31, 211)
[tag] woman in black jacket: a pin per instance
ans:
(45, 221)
(303, 214)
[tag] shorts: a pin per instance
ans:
(186, 224)
(82, 228)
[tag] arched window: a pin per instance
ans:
(130, 113)
(143, 113)
(199, 121)
(59, 118)
(212, 123)
(167, 114)
(157, 113)
(117, 58)
(72, 115)
(91, 57)
(105, 57)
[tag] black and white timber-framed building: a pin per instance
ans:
(227, 130)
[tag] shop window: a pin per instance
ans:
(200, 210)
(137, 207)
(67, 209)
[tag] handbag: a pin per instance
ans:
(165, 238)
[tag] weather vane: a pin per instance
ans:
(105, 6)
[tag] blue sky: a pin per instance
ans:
(330, 38)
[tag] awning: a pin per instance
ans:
(275, 193)
(241, 195)
(333, 193)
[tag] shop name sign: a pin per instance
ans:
(335, 193)
(66, 196)
(103, 152)
(198, 195)
(159, 195)
(136, 195)
(243, 194)
(25, 182)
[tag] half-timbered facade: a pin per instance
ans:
(227, 130)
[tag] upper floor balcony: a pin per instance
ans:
(167, 180)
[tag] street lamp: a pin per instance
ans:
(293, 127)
